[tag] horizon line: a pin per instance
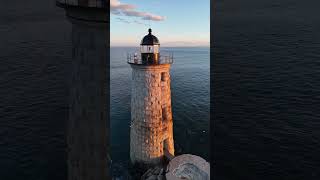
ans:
(161, 46)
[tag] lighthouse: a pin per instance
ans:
(151, 132)
(87, 126)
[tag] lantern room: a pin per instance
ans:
(149, 52)
(150, 44)
(149, 48)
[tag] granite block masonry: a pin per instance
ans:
(151, 117)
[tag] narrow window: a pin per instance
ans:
(164, 114)
(163, 76)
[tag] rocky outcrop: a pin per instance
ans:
(156, 173)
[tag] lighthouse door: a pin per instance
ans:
(165, 145)
(166, 152)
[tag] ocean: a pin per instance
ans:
(35, 59)
(266, 90)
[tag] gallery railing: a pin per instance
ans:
(135, 58)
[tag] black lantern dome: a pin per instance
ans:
(149, 52)
(149, 49)
(150, 39)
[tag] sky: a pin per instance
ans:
(174, 22)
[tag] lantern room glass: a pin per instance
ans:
(150, 49)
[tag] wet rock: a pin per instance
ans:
(156, 173)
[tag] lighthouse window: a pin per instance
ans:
(163, 76)
(165, 145)
(164, 114)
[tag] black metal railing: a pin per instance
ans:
(134, 58)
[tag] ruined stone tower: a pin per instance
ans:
(87, 127)
(151, 133)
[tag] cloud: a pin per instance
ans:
(118, 8)
(123, 20)
(141, 23)
(129, 22)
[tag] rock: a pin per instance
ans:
(156, 170)
(188, 167)
(156, 173)
(152, 177)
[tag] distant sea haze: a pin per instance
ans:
(180, 44)
(186, 44)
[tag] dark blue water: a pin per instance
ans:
(266, 90)
(34, 59)
(190, 91)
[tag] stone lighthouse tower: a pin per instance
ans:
(87, 127)
(151, 133)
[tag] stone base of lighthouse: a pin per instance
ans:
(151, 133)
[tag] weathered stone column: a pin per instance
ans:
(151, 117)
(88, 126)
